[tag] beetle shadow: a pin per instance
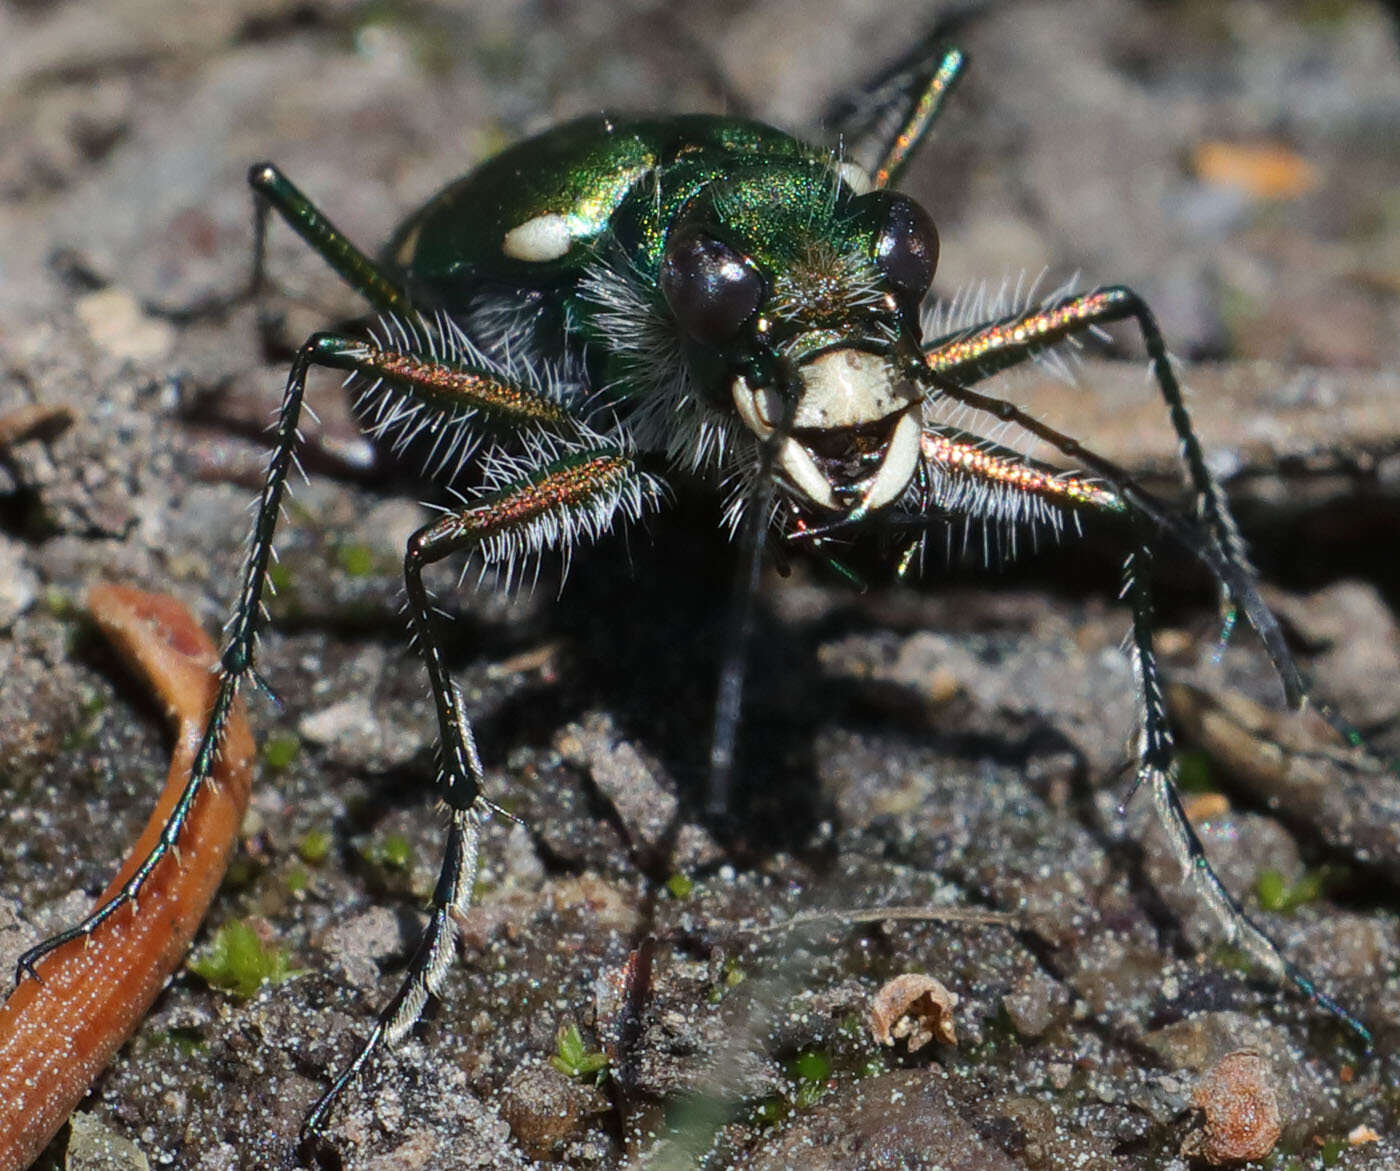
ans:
(645, 620)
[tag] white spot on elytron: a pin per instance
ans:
(546, 237)
(856, 177)
(846, 388)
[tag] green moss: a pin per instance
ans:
(237, 961)
(770, 1111)
(298, 879)
(1270, 889)
(1275, 893)
(280, 751)
(873, 1066)
(1311, 886)
(1193, 773)
(730, 976)
(811, 1066)
(242, 872)
(393, 852)
(356, 560)
(1234, 959)
(811, 1070)
(84, 732)
(573, 1057)
(59, 603)
(314, 847)
(279, 577)
(186, 1040)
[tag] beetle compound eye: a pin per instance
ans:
(907, 251)
(710, 287)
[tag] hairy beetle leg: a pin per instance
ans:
(594, 482)
(972, 354)
(431, 958)
(1156, 752)
(1157, 769)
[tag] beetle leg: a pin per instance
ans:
(910, 132)
(1237, 579)
(439, 386)
(1157, 769)
(235, 663)
(734, 663)
(202, 770)
(272, 189)
(972, 477)
(274, 192)
(891, 115)
(576, 494)
(980, 351)
(428, 967)
(435, 385)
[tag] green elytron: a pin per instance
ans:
(620, 300)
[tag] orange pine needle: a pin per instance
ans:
(57, 1033)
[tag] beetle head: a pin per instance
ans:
(801, 292)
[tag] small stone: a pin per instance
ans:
(19, 584)
(545, 1108)
(114, 321)
(1240, 1106)
(916, 1007)
(1205, 806)
(340, 719)
(644, 804)
(1034, 1002)
(357, 944)
(362, 730)
(93, 1147)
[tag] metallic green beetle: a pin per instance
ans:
(619, 300)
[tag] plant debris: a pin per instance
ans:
(916, 1008)
(1240, 1106)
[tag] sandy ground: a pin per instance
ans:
(957, 743)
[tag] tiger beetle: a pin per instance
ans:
(620, 299)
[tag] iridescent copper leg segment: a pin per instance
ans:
(980, 351)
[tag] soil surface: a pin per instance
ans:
(958, 745)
